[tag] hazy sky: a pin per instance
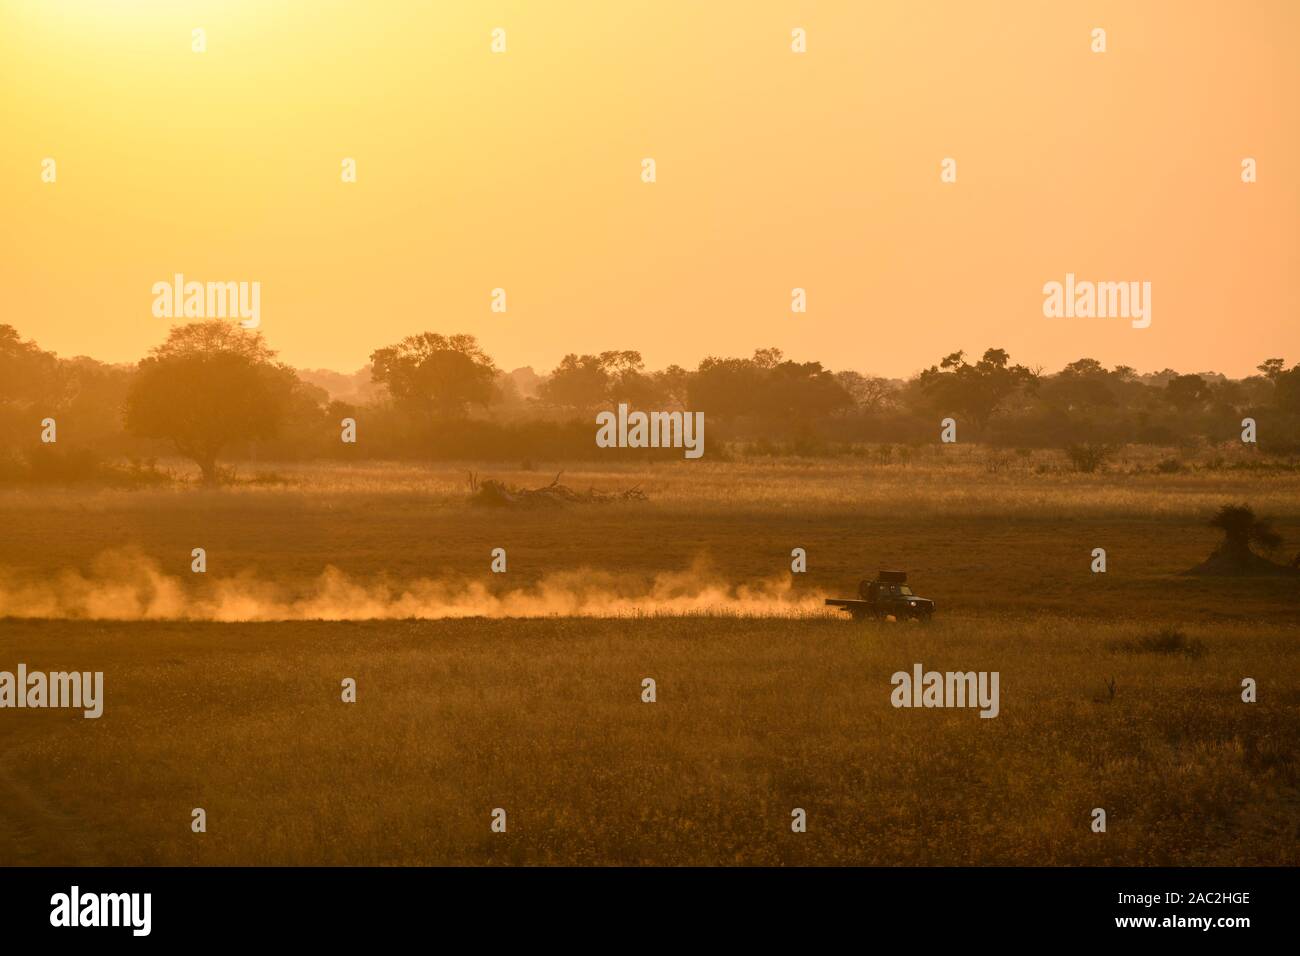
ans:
(776, 170)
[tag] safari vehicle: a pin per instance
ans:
(887, 595)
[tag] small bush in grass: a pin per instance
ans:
(1087, 457)
(1167, 640)
(53, 465)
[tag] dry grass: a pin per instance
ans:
(755, 716)
(960, 481)
(544, 718)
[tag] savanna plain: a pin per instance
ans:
(523, 690)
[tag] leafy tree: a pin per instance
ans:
(209, 385)
(801, 391)
(439, 376)
(30, 385)
(584, 382)
(766, 388)
(579, 382)
(974, 392)
(1083, 385)
(215, 337)
(1228, 394)
(1187, 392)
(1084, 368)
(628, 381)
(27, 373)
(1286, 389)
(725, 387)
(673, 383)
(93, 395)
(1271, 368)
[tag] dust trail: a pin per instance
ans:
(128, 586)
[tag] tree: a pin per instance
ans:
(628, 381)
(1271, 368)
(673, 383)
(725, 387)
(801, 391)
(870, 393)
(974, 392)
(1187, 392)
(209, 385)
(93, 395)
(27, 373)
(439, 376)
(1084, 368)
(579, 382)
(1083, 385)
(30, 383)
(584, 382)
(1286, 389)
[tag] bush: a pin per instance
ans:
(57, 466)
(137, 472)
(53, 465)
(1167, 640)
(1087, 457)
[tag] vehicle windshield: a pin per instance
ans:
(896, 589)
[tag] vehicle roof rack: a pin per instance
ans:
(893, 577)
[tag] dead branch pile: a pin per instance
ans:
(497, 494)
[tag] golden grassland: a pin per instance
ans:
(951, 480)
(543, 717)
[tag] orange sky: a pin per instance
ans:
(775, 170)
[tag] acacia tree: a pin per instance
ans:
(439, 376)
(209, 385)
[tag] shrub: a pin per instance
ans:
(1087, 457)
(1167, 640)
(54, 465)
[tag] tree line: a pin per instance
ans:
(213, 390)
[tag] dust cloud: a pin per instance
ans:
(129, 586)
